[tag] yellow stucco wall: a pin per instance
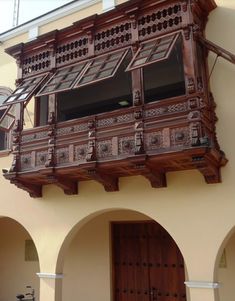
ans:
(197, 215)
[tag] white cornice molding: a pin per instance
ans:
(47, 18)
(50, 275)
(201, 284)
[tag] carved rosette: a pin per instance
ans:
(26, 162)
(41, 158)
(154, 140)
(62, 155)
(126, 145)
(80, 152)
(180, 137)
(104, 149)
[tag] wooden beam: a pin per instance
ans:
(216, 49)
(34, 190)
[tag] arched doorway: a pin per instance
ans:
(225, 268)
(18, 260)
(123, 256)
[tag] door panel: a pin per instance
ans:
(147, 264)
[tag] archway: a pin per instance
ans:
(225, 267)
(89, 261)
(18, 260)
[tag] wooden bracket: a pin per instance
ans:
(155, 177)
(34, 190)
(109, 182)
(69, 186)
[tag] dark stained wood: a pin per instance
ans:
(146, 139)
(147, 264)
(217, 49)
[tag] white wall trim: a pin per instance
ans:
(47, 18)
(201, 284)
(50, 275)
(108, 4)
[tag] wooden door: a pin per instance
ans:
(147, 264)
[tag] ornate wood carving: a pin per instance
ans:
(146, 139)
(109, 182)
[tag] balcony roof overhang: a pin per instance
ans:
(126, 8)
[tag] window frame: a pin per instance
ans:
(27, 86)
(5, 91)
(75, 83)
(175, 36)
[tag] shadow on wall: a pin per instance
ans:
(18, 260)
(224, 271)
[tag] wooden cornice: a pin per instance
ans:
(120, 12)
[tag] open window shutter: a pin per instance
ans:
(22, 93)
(101, 67)
(62, 80)
(153, 51)
(25, 90)
(217, 49)
(8, 118)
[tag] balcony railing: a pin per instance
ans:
(151, 140)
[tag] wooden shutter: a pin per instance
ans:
(153, 51)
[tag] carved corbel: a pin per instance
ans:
(70, 187)
(109, 182)
(35, 191)
(156, 178)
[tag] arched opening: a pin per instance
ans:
(123, 255)
(225, 267)
(18, 261)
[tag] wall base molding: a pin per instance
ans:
(201, 284)
(50, 275)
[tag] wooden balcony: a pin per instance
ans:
(149, 140)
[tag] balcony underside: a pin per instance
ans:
(152, 167)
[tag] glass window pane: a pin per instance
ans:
(98, 61)
(144, 53)
(140, 61)
(160, 48)
(23, 96)
(93, 69)
(7, 122)
(150, 52)
(70, 76)
(157, 56)
(111, 64)
(64, 85)
(148, 45)
(12, 110)
(101, 68)
(63, 79)
(105, 73)
(20, 90)
(87, 79)
(25, 90)
(10, 99)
